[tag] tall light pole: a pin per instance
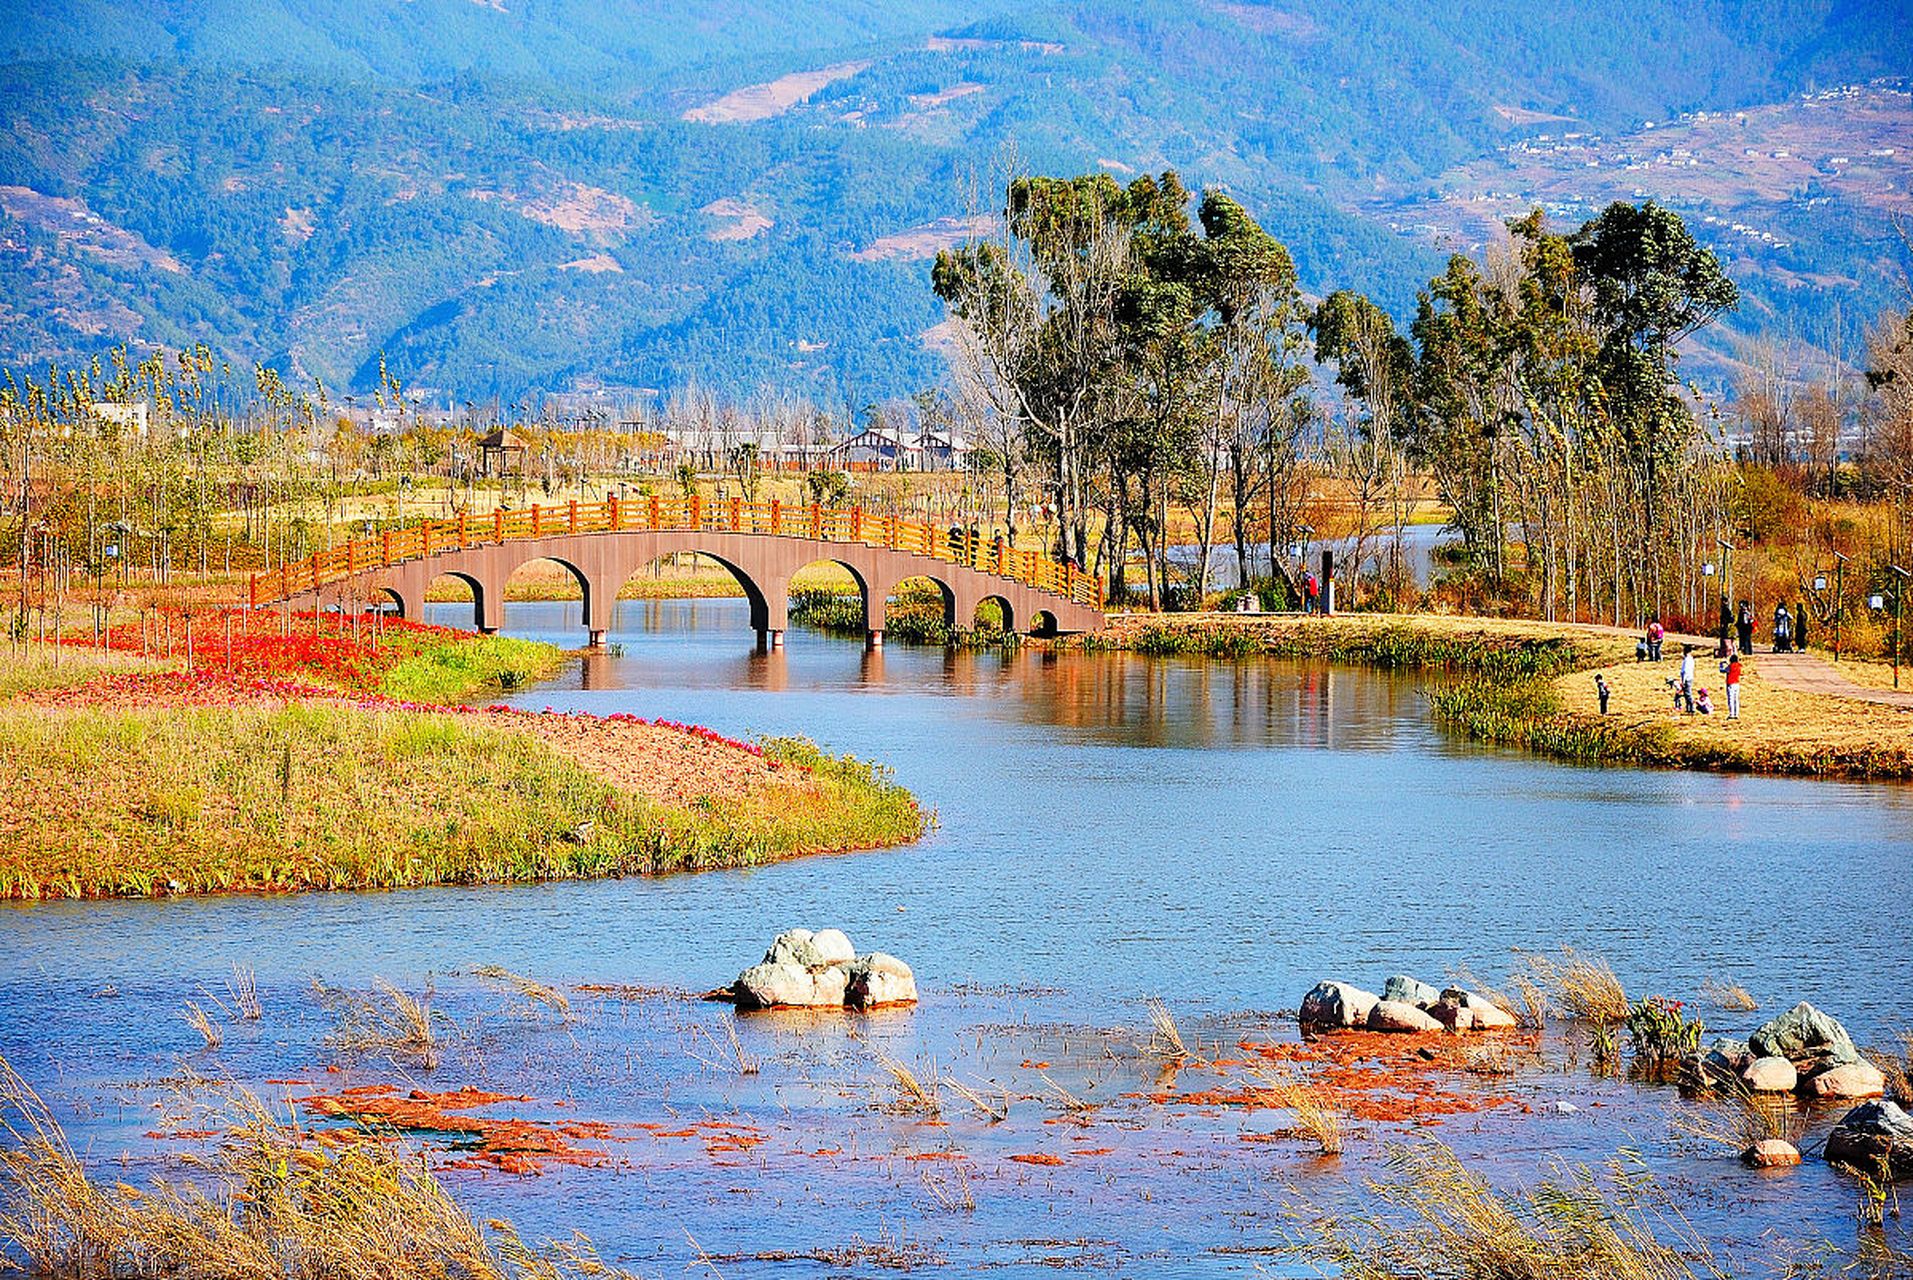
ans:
(1726, 584)
(1899, 598)
(1839, 600)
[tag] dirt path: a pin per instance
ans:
(1810, 673)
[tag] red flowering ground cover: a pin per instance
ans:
(259, 646)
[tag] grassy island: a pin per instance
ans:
(315, 764)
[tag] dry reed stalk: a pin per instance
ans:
(1165, 1039)
(912, 1093)
(199, 1020)
(1739, 1118)
(987, 1103)
(243, 990)
(268, 1201)
(1581, 985)
(1438, 1220)
(536, 992)
(729, 1055)
(1311, 1106)
(401, 1028)
(1727, 995)
(952, 1192)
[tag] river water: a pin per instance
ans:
(1111, 828)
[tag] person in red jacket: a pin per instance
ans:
(1733, 687)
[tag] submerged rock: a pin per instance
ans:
(1772, 1153)
(1806, 1037)
(1875, 1137)
(1337, 1004)
(1400, 1016)
(1721, 1066)
(1848, 1080)
(1408, 990)
(1770, 1075)
(877, 979)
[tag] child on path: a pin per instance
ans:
(1733, 687)
(1687, 677)
(1703, 705)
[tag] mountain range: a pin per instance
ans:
(625, 198)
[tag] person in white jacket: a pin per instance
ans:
(1687, 677)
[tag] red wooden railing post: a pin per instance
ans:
(697, 511)
(461, 528)
(571, 516)
(737, 514)
(498, 525)
(816, 521)
(425, 539)
(613, 504)
(651, 511)
(537, 521)
(385, 547)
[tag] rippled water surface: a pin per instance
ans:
(1111, 828)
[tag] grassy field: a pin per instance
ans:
(109, 803)
(1779, 730)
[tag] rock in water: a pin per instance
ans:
(877, 979)
(766, 986)
(1452, 1015)
(1771, 1153)
(1336, 1004)
(1875, 1137)
(1849, 1080)
(796, 946)
(1398, 1015)
(1806, 1037)
(832, 946)
(1408, 990)
(1488, 1016)
(1770, 1075)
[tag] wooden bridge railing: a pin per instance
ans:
(639, 515)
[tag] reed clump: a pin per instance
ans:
(388, 1022)
(1739, 1118)
(1583, 986)
(1436, 1219)
(1728, 995)
(539, 994)
(269, 1202)
(1313, 1111)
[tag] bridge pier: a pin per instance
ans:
(769, 638)
(597, 639)
(874, 640)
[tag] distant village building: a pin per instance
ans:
(128, 416)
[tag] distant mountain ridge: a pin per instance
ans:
(560, 195)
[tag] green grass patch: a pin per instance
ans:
(455, 670)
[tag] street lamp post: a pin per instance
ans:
(1839, 600)
(1899, 598)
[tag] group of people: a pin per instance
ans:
(1692, 698)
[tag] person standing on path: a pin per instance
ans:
(1746, 626)
(1783, 629)
(1800, 627)
(1601, 691)
(1655, 634)
(1733, 687)
(1687, 677)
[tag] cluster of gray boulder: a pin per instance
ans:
(805, 970)
(1405, 1006)
(1808, 1052)
(1801, 1051)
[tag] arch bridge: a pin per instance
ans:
(762, 544)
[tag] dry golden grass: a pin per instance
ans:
(1727, 995)
(1580, 985)
(535, 992)
(268, 1203)
(1438, 1220)
(1311, 1105)
(388, 1023)
(33, 666)
(1738, 1118)
(1165, 1039)
(1788, 729)
(201, 1021)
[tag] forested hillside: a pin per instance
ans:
(565, 195)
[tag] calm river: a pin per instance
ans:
(1111, 828)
